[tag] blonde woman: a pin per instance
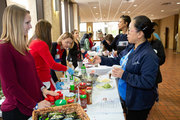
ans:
(21, 85)
(40, 45)
(59, 52)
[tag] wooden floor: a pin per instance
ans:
(168, 107)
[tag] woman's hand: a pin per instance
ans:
(106, 53)
(44, 104)
(48, 92)
(95, 60)
(83, 51)
(117, 72)
(115, 54)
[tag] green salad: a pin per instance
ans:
(105, 86)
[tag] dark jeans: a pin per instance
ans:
(14, 115)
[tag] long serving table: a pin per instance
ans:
(105, 102)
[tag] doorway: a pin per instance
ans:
(166, 37)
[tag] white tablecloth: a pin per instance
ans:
(1, 101)
(106, 104)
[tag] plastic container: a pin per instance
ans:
(60, 102)
(69, 96)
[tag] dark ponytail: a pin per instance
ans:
(143, 23)
(126, 18)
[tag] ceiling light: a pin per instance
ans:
(166, 3)
(123, 12)
(178, 3)
(162, 10)
(135, 5)
(128, 11)
(97, 13)
(94, 7)
(128, 0)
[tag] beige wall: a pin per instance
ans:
(76, 16)
(29, 5)
(53, 17)
(167, 22)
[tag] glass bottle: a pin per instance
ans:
(83, 99)
(89, 95)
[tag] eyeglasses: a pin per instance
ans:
(66, 42)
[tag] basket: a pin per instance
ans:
(69, 108)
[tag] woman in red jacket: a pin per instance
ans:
(40, 46)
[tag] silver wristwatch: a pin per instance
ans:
(43, 87)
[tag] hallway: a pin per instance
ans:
(168, 107)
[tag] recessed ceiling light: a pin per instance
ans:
(166, 3)
(128, 0)
(94, 7)
(162, 10)
(135, 5)
(123, 12)
(178, 3)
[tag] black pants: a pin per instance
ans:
(134, 114)
(14, 115)
(137, 114)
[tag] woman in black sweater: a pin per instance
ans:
(75, 51)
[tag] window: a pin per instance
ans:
(82, 31)
(63, 17)
(105, 27)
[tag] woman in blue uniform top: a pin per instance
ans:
(137, 83)
(120, 41)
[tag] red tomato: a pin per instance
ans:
(56, 97)
(51, 98)
(47, 99)
(59, 92)
(48, 96)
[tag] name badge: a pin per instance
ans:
(57, 56)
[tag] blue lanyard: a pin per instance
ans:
(124, 59)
